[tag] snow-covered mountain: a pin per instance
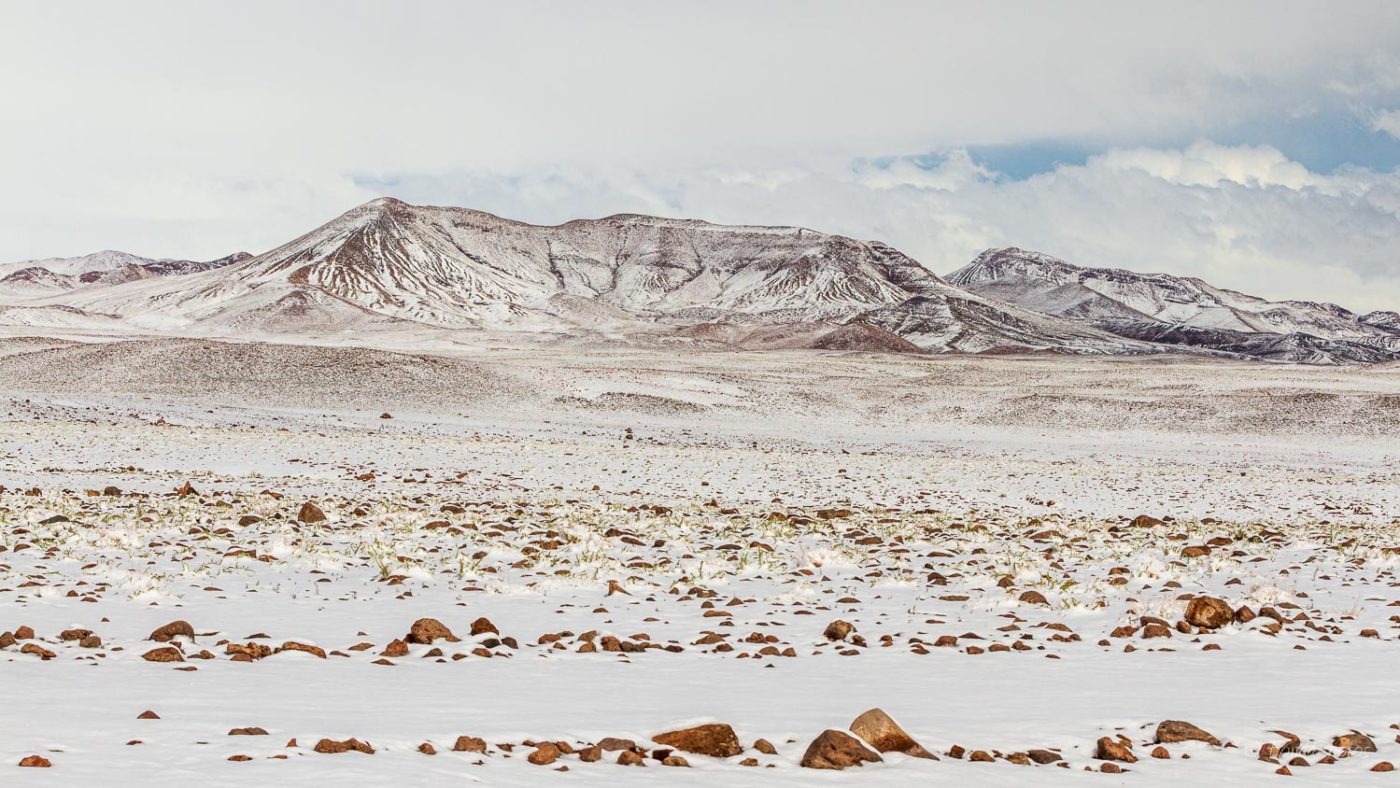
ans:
(60, 274)
(386, 266)
(1162, 308)
(389, 262)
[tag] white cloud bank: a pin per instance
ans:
(199, 127)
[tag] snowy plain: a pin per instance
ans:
(736, 498)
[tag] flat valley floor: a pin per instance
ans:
(517, 566)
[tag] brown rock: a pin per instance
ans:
(1145, 521)
(1357, 742)
(630, 758)
(1033, 598)
(1160, 752)
(172, 630)
(247, 732)
(426, 630)
(1044, 757)
(1171, 731)
(837, 750)
(766, 747)
(716, 740)
(1110, 749)
(469, 744)
(838, 630)
(396, 648)
(1209, 612)
(591, 754)
(37, 650)
(1383, 766)
(333, 746)
(35, 762)
(675, 760)
(164, 654)
(544, 755)
(292, 645)
(880, 731)
(483, 625)
(310, 513)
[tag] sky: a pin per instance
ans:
(1253, 144)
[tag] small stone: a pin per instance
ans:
(1209, 612)
(332, 746)
(426, 630)
(838, 630)
(716, 740)
(544, 755)
(164, 654)
(1171, 731)
(172, 630)
(1110, 749)
(310, 513)
(1357, 742)
(35, 762)
(880, 731)
(469, 744)
(837, 750)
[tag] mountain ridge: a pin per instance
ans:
(387, 265)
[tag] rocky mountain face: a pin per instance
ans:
(61, 274)
(387, 263)
(387, 266)
(1182, 311)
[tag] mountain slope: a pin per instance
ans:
(456, 268)
(1161, 308)
(100, 269)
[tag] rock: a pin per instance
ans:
(981, 756)
(24, 633)
(1357, 742)
(544, 755)
(766, 747)
(483, 625)
(148, 715)
(591, 754)
(838, 630)
(630, 758)
(333, 746)
(880, 731)
(1033, 598)
(1110, 749)
(1171, 731)
(37, 650)
(164, 654)
(247, 732)
(675, 760)
(426, 630)
(292, 645)
(172, 630)
(1383, 766)
(716, 740)
(396, 648)
(1160, 752)
(1145, 521)
(1044, 757)
(310, 513)
(469, 744)
(613, 744)
(35, 762)
(1209, 612)
(837, 750)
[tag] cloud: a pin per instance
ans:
(1208, 164)
(197, 128)
(1388, 122)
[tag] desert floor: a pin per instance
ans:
(622, 543)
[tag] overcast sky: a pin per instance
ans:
(1256, 145)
